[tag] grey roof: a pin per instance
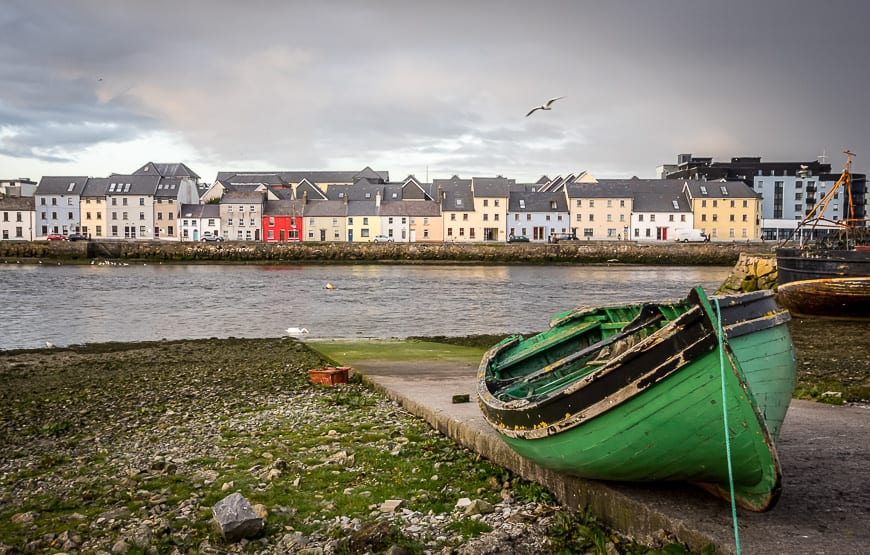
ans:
(283, 208)
(176, 169)
(200, 211)
(120, 184)
(168, 187)
(537, 202)
(60, 185)
(361, 190)
(325, 208)
(96, 187)
(491, 186)
(733, 189)
(243, 188)
(255, 178)
(362, 208)
(453, 190)
(410, 208)
(318, 177)
(18, 203)
(599, 190)
(661, 201)
(314, 192)
(243, 196)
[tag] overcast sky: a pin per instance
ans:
(429, 88)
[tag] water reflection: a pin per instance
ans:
(86, 304)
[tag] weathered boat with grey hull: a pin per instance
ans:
(634, 393)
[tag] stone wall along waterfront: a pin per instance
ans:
(623, 252)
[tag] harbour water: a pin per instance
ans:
(70, 304)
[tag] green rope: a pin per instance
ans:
(725, 416)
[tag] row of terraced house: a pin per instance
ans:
(170, 202)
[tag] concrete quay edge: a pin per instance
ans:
(617, 508)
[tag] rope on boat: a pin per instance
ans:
(725, 416)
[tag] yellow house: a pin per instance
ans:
(457, 208)
(725, 210)
(92, 207)
(490, 196)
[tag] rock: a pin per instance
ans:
(390, 505)
(120, 547)
(236, 519)
(397, 550)
(479, 507)
(261, 510)
(24, 519)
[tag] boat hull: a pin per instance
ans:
(654, 412)
(847, 297)
(794, 264)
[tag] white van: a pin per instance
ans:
(690, 236)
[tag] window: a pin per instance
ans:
(724, 191)
(495, 202)
(465, 217)
(124, 216)
(579, 217)
(652, 217)
(141, 216)
(522, 203)
(622, 203)
(591, 217)
(350, 221)
(495, 217)
(486, 217)
(609, 203)
(715, 203)
(368, 195)
(591, 204)
(253, 222)
(141, 201)
(365, 221)
(252, 208)
(579, 203)
(732, 217)
(732, 204)
(390, 221)
(640, 217)
(453, 216)
(486, 202)
(124, 201)
(703, 204)
(588, 232)
(715, 217)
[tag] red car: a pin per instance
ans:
(56, 237)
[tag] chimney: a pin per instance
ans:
(377, 199)
(304, 197)
(441, 195)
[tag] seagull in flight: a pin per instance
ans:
(544, 106)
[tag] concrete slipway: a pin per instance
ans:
(824, 452)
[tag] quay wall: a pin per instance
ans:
(575, 252)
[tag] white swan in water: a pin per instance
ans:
(297, 331)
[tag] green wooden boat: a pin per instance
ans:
(634, 393)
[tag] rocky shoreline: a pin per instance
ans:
(126, 448)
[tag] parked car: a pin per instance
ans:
(56, 237)
(76, 237)
(564, 237)
(382, 239)
(518, 239)
(208, 237)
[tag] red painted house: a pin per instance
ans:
(282, 221)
